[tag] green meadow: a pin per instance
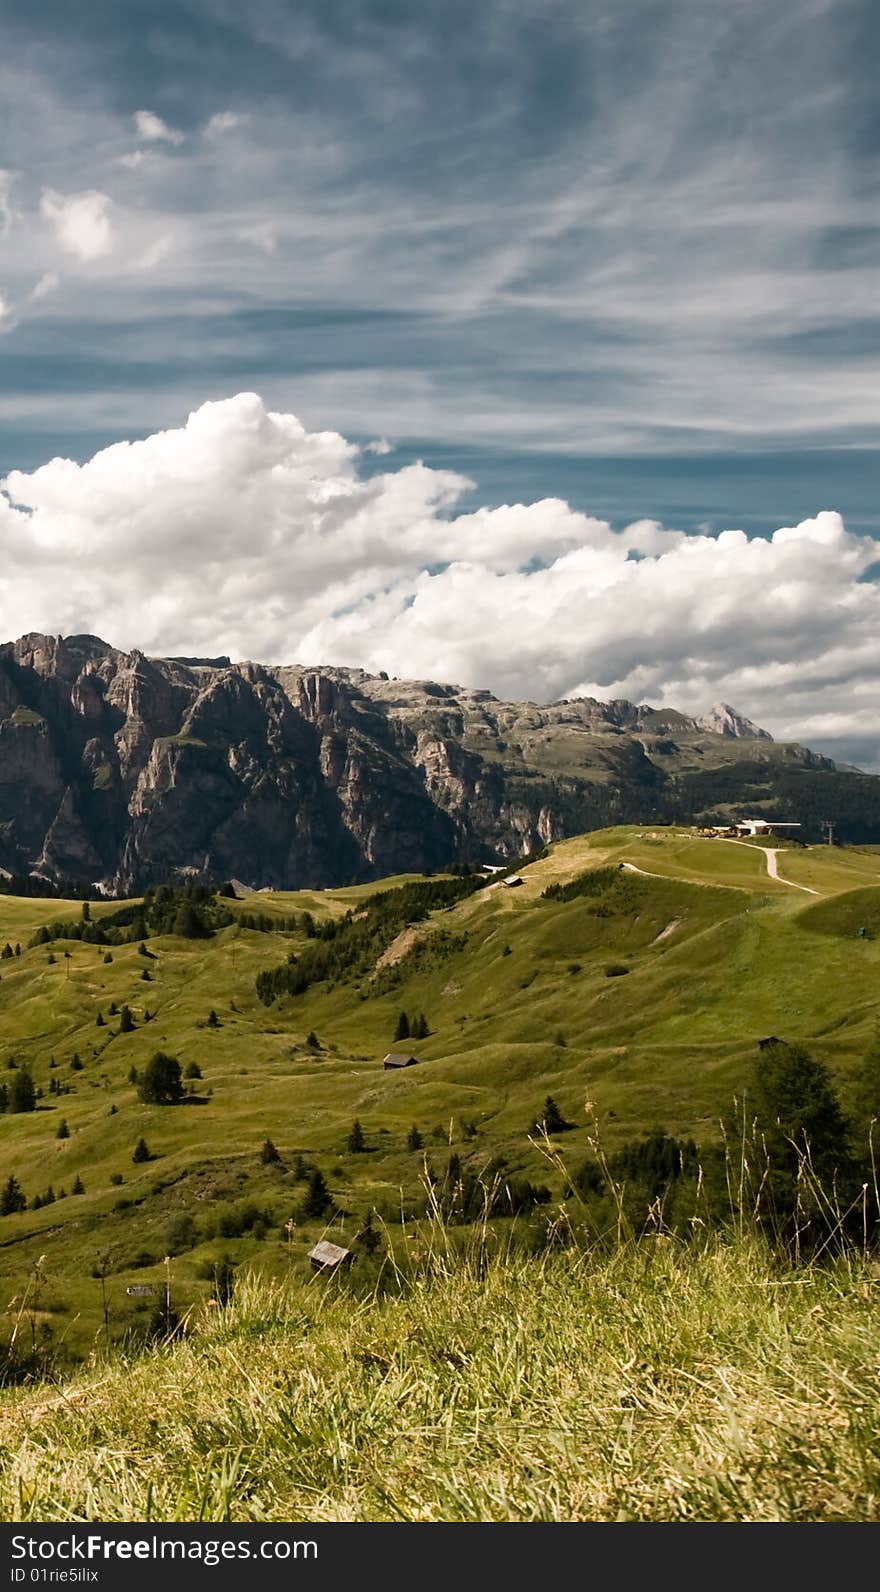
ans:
(635, 1010)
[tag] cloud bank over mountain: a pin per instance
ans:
(242, 532)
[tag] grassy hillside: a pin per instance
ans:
(658, 1384)
(646, 999)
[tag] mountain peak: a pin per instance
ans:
(722, 719)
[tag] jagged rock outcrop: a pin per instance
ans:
(724, 720)
(124, 770)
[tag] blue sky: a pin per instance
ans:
(624, 255)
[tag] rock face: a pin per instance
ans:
(724, 720)
(125, 770)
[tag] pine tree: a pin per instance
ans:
(213, 1019)
(78, 1186)
(12, 1198)
(187, 922)
(159, 1084)
(356, 1141)
(368, 1239)
(99, 1021)
(141, 1152)
(798, 1114)
(313, 1041)
(317, 1200)
(63, 1129)
(402, 1029)
(269, 1154)
(414, 1140)
(22, 1094)
(552, 1120)
(126, 1021)
(420, 1027)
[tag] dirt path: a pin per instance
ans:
(772, 854)
(681, 878)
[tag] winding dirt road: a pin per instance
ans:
(771, 853)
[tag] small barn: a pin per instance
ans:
(399, 1058)
(329, 1257)
(511, 883)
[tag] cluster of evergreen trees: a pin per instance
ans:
(13, 1198)
(345, 947)
(462, 1195)
(595, 883)
(412, 1027)
(792, 1158)
(191, 911)
(264, 923)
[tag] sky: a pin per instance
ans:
(531, 345)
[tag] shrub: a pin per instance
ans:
(141, 1152)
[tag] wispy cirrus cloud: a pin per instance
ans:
(649, 230)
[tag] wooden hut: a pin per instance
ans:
(329, 1257)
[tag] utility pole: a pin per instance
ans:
(828, 826)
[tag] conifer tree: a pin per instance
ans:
(12, 1198)
(317, 1200)
(22, 1094)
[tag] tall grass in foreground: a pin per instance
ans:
(652, 1381)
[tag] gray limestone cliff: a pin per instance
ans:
(124, 770)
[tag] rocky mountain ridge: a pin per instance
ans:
(121, 769)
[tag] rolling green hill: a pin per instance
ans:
(641, 985)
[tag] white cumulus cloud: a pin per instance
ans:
(81, 221)
(153, 130)
(243, 532)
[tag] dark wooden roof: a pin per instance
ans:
(400, 1058)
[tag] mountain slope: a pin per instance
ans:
(127, 770)
(645, 993)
